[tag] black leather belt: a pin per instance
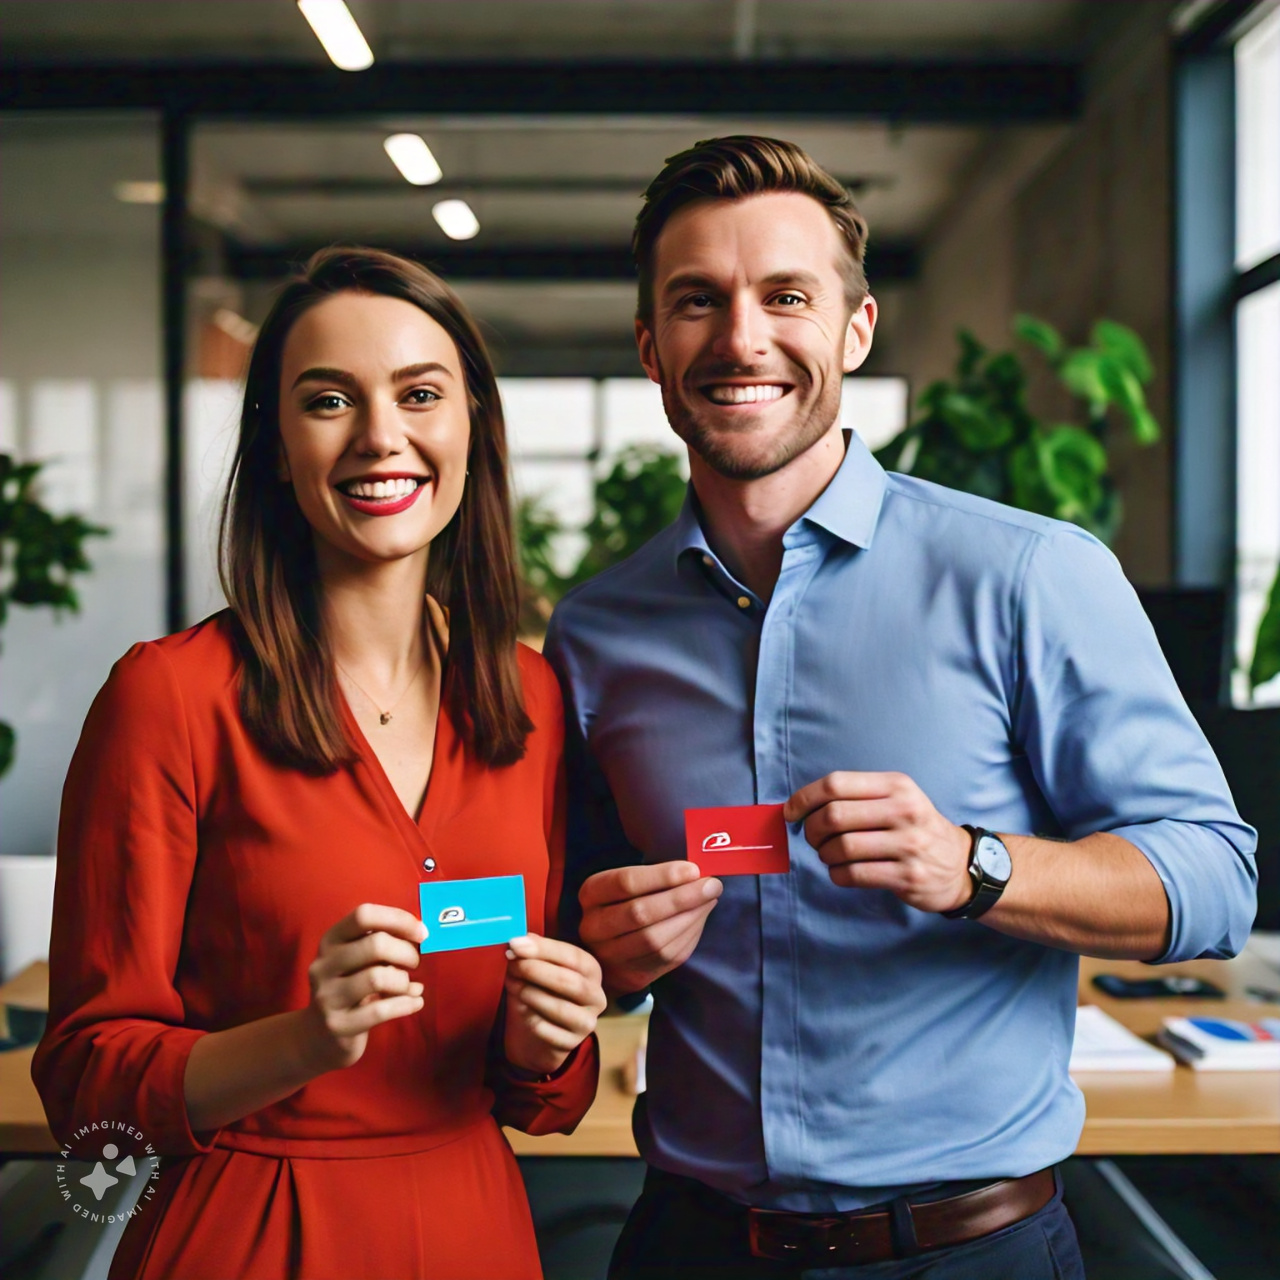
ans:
(899, 1230)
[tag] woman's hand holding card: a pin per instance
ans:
(554, 996)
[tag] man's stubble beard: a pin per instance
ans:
(724, 453)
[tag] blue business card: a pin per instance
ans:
(471, 913)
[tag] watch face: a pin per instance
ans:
(993, 858)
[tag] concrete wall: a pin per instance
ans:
(1071, 224)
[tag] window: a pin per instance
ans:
(1257, 323)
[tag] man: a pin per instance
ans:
(860, 1067)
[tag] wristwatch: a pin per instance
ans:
(989, 867)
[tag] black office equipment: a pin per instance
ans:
(1247, 744)
(1191, 625)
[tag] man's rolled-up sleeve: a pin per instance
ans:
(1114, 747)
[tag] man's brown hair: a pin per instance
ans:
(733, 168)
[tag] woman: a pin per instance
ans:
(253, 803)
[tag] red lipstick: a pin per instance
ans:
(381, 506)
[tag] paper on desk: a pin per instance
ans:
(1103, 1044)
(1224, 1044)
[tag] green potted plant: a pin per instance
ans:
(1266, 647)
(976, 432)
(639, 496)
(39, 555)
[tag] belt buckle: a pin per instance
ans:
(800, 1238)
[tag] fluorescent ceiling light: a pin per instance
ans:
(140, 192)
(336, 29)
(413, 158)
(455, 219)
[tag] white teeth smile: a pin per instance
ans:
(368, 489)
(753, 394)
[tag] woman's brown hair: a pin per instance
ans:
(289, 698)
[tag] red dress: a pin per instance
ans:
(195, 879)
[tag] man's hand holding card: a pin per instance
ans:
(644, 921)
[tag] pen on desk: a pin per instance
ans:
(1263, 993)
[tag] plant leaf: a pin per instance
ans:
(1146, 430)
(640, 496)
(1004, 375)
(1073, 462)
(1081, 373)
(971, 353)
(1027, 475)
(974, 424)
(1126, 392)
(1124, 345)
(1266, 650)
(1041, 334)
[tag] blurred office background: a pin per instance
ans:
(163, 163)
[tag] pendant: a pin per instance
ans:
(385, 718)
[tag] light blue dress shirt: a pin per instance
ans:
(826, 1048)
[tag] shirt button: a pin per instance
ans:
(708, 561)
(744, 602)
(428, 864)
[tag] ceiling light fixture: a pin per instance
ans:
(411, 155)
(336, 29)
(139, 192)
(455, 219)
(235, 326)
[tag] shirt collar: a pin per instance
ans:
(849, 507)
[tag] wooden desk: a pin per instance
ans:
(606, 1129)
(23, 1128)
(1183, 1112)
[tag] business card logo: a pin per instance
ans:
(737, 840)
(721, 841)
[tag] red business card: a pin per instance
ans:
(741, 840)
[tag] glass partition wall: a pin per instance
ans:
(81, 392)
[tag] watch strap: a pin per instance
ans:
(986, 891)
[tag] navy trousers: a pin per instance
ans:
(676, 1231)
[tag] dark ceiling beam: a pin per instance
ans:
(1214, 25)
(959, 92)
(887, 263)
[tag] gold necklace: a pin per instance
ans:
(384, 717)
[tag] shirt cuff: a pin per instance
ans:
(519, 1074)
